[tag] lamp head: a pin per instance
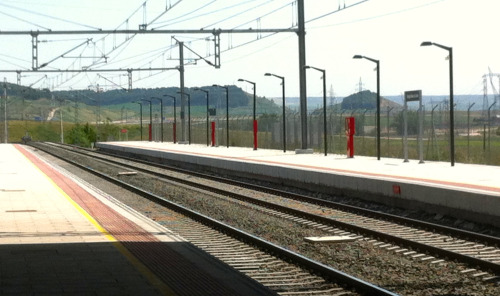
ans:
(307, 67)
(241, 79)
(357, 56)
(267, 74)
(426, 43)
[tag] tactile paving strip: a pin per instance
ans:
(179, 274)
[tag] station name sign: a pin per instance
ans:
(413, 95)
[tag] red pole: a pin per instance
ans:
(350, 131)
(213, 133)
(255, 135)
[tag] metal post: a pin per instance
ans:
(421, 114)
(227, 112)
(389, 109)
(6, 123)
(150, 119)
(161, 119)
(140, 111)
(302, 73)
(378, 110)
(468, 130)
(183, 100)
(452, 117)
(62, 128)
(489, 127)
(174, 129)
(161, 116)
(254, 116)
(283, 102)
(189, 115)
(405, 132)
(324, 105)
(377, 62)
(206, 96)
(189, 118)
(452, 105)
(227, 116)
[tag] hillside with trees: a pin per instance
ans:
(365, 100)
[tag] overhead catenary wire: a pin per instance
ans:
(48, 16)
(179, 17)
(236, 14)
(203, 14)
(115, 55)
(23, 20)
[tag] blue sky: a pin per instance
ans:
(388, 30)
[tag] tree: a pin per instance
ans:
(82, 135)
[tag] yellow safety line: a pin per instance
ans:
(150, 276)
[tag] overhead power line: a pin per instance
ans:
(49, 16)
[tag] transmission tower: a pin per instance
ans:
(331, 94)
(496, 95)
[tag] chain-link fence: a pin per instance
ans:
(477, 137)
(477, 133)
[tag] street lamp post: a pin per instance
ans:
(283, 95)
(452, 120)
(189, 114)
(206, 96)
(161, 115)
(254, 116)
(6, 122)
(140, 111)
(468, 130)
(227, 112)
(150, 118)
(377, 62)
(175, 118)
(324, 105)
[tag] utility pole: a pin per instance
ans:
(61, 119)
(5, 126)
(183, 98)
(302, 75)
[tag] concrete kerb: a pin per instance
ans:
(465, 204)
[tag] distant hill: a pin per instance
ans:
(462, 101)
(82, 104)
(366, 100)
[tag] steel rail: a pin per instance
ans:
(464, 234)
(363, 287)
(332, 222)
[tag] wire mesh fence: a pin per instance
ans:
(477, 133)
(477, 138)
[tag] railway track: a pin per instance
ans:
(418, 239)
(283, 271)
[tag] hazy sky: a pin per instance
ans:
(388, 30)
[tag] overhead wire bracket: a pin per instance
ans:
(217, 48)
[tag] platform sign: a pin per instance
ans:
(413, 96)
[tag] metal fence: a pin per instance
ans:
(477, 138)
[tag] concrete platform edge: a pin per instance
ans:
(465, 204)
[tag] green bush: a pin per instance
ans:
(82, 135)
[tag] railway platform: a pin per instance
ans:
(466, 191)
(61, 236)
